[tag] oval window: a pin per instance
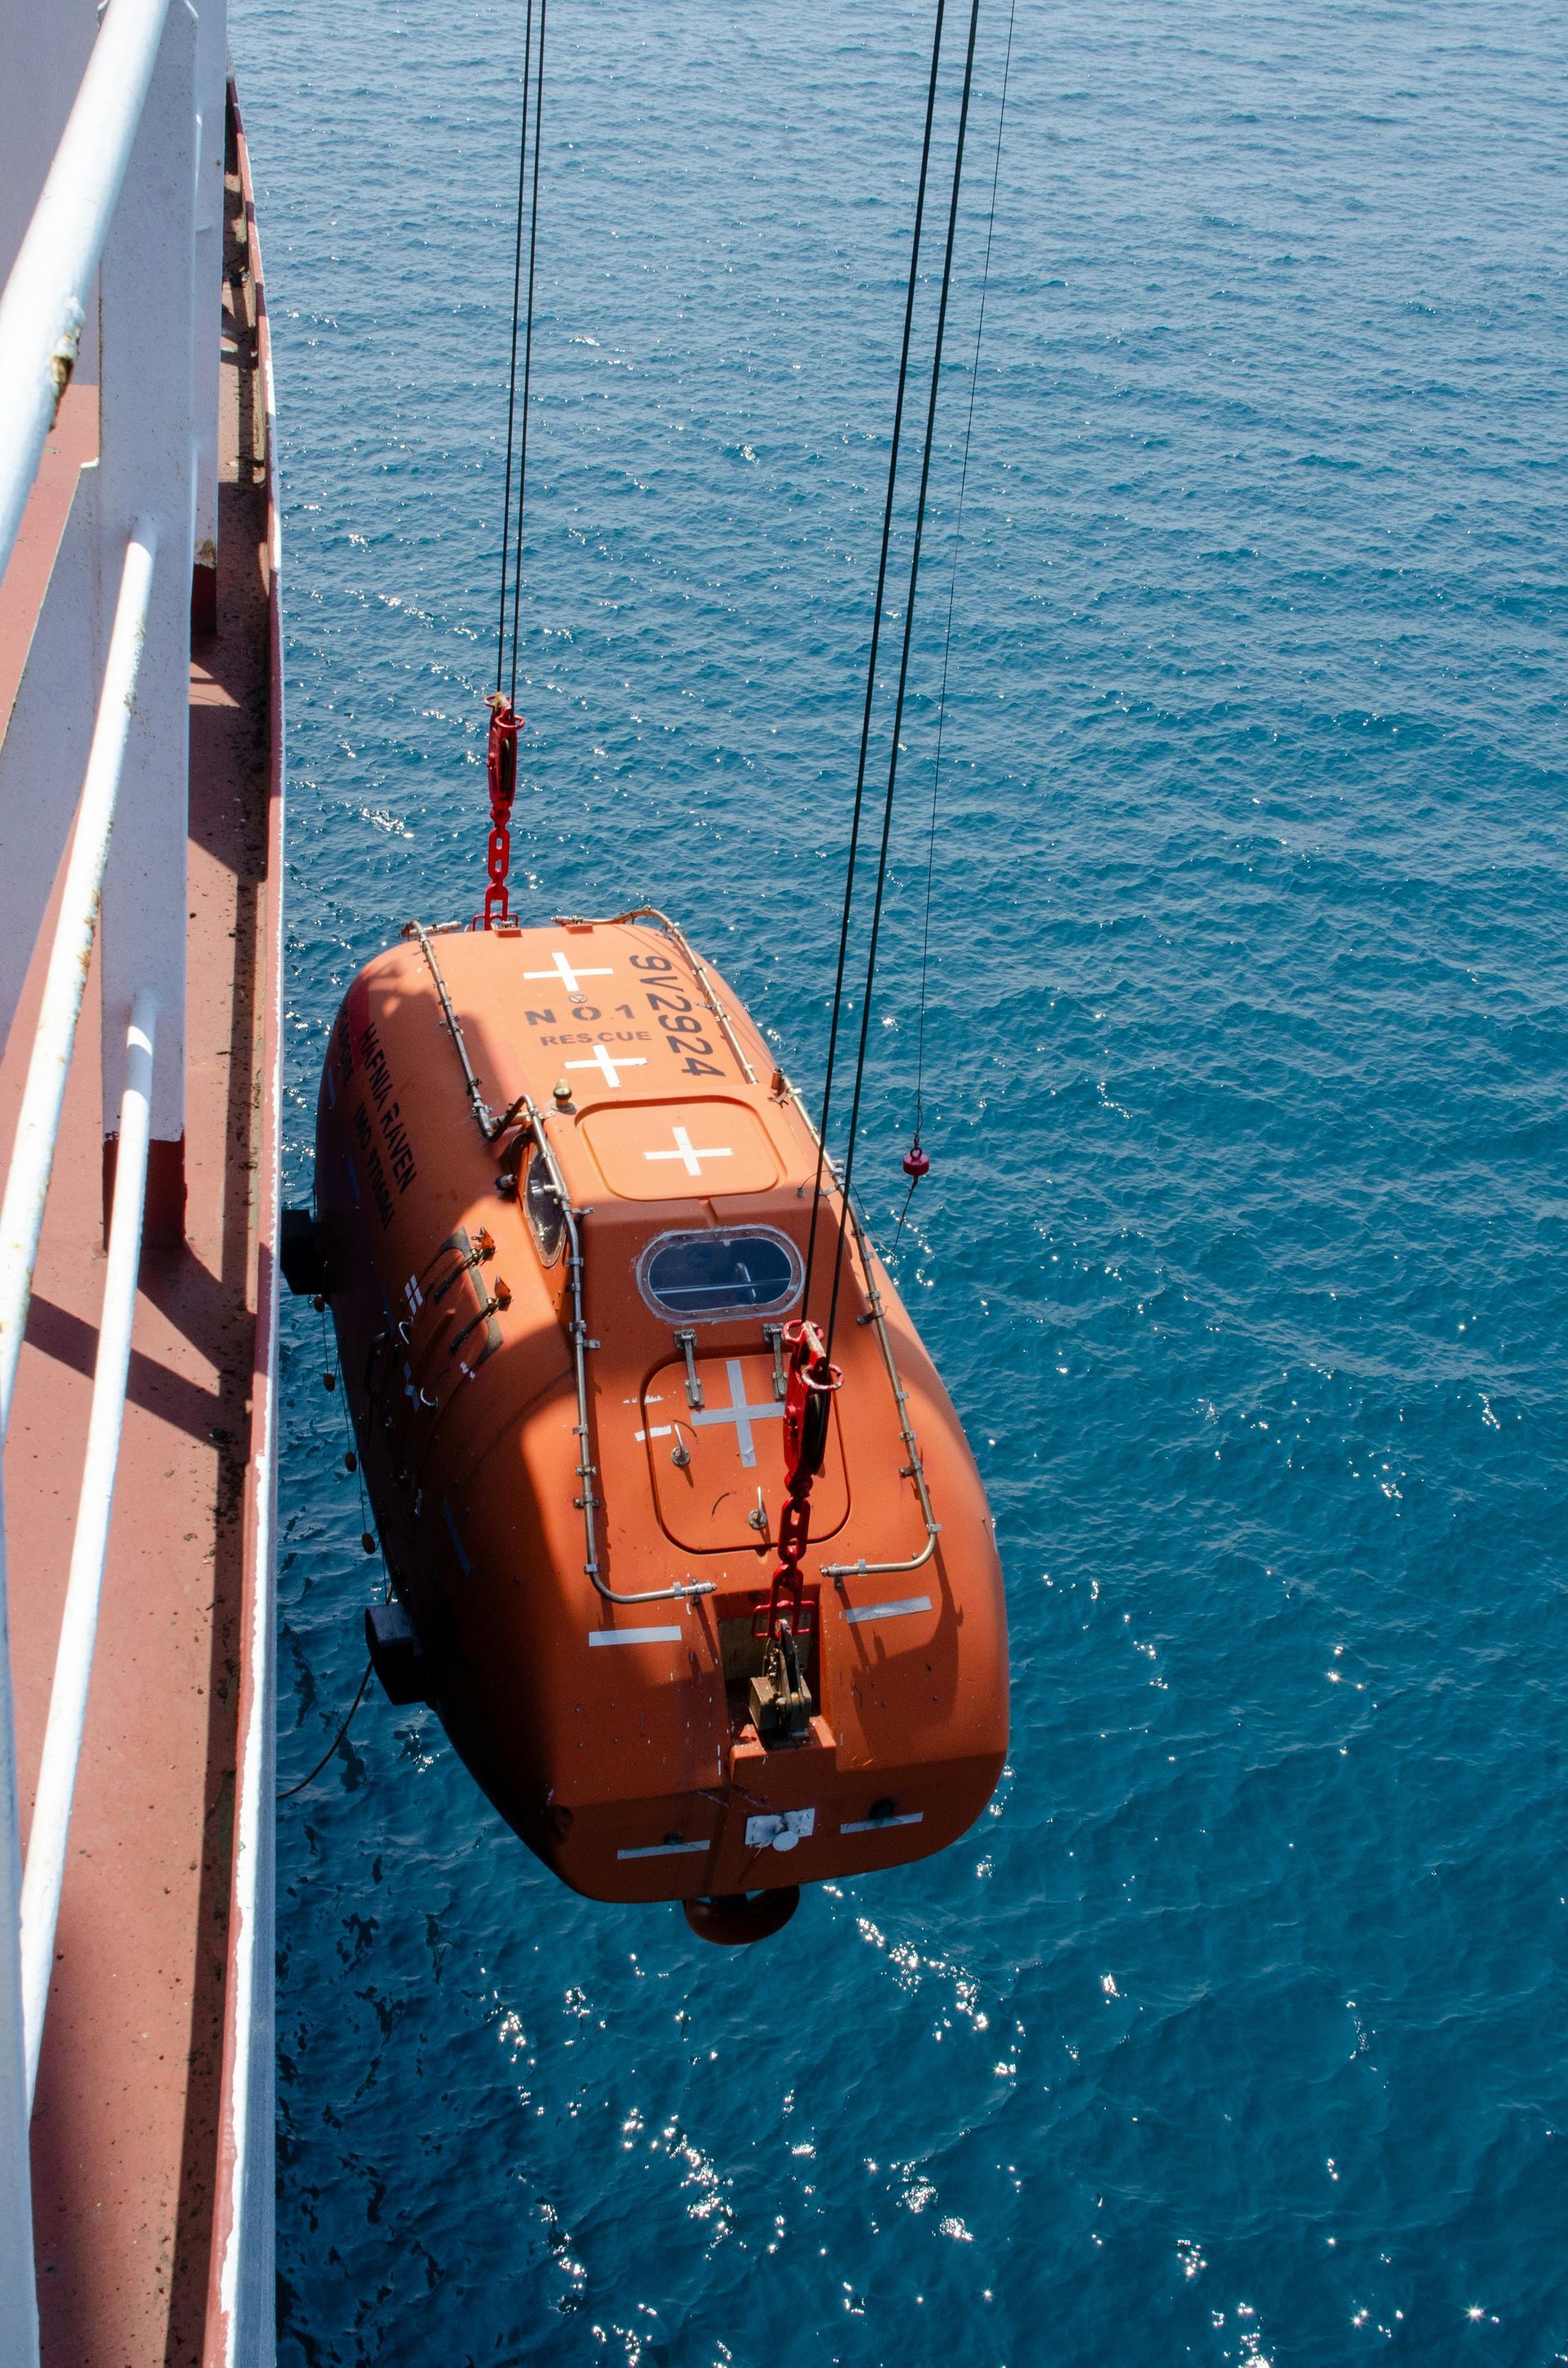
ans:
(546, 1214)
(713, 1274)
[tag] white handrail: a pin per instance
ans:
(19, 2286)
(45, 302)
(45, 1871)
(32, 1158)
(118, 224)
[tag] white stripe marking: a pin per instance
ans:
(634, 1635)
(876, 1825)
(889, 1610)
(660, 1430)
(665, 1850)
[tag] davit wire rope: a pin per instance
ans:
(917, 1172)
(523, 324)
(517, 441)
(851, 883)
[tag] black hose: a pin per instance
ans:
(336, 1739)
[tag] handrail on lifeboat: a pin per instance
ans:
(671, 929)
(916, 1470)
(525, 1115)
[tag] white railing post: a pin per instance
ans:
(54, 1037)
(89, 1548)
(19, 2285)
(47, 738)
(146, 470)
(211, 99)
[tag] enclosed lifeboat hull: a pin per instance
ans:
(563, 1202)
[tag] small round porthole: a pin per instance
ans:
(546, 1214)
(701, 1276)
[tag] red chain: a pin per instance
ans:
(807, 1407)
(501, 768)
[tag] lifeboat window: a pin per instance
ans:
(546, 1214)
(713, 1274)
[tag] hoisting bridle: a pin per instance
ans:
(500, 772)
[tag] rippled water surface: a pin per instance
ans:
(1234, 2031)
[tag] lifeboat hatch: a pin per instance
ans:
(680, 1151)
(718, 1467)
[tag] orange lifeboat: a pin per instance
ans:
(563, 1202)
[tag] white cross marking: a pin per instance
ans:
(608, 1069)
(683, 1151)
(564, 976)
(739, 1413)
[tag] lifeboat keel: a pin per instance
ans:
(736, 1918)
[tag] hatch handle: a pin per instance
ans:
(774, 1336)
(686, 1343)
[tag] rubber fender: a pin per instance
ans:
(396, 1655)
(736, 1918)
(301, 1255)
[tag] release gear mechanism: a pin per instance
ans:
(780, 1701)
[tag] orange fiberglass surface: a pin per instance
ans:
(564, 1200)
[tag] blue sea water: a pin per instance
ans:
(1234, 2033)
